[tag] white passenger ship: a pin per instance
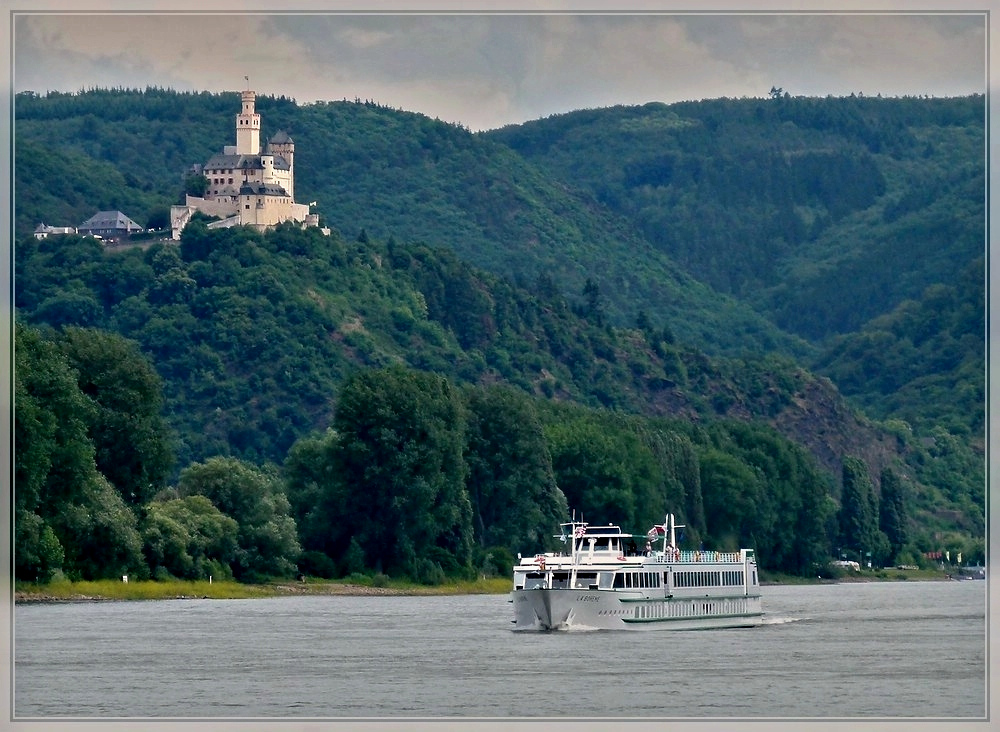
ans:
(607, 582)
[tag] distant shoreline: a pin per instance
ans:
(115, 591)
(22, 597)
(882, 575)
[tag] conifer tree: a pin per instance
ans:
(892, 513)
(857, 521)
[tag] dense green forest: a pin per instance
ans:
(788, 202)
(417, 477)
(503, 306)
(336, 407)
(857, 223)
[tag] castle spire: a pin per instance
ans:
(248, 125)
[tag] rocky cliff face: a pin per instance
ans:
(820, 419)
(805, 408)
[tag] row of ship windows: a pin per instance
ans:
(643, 580)
(640, 580)
(654, 611)
(708, 579)
(637, 579)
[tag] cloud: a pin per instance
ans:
(889, 54)
(488, 70)
(210, 52)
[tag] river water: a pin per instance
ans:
(876, 650)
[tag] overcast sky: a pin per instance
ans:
(486, 70)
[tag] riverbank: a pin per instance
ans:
(890, 574)
(112, 590)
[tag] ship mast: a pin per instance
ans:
(576, 542)
(671, 526)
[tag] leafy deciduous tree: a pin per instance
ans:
(733, 493)
(67, 516)
(130, 438)
(400, 457)
(100, 533)
(189, 538)
(516, 503)
(607, 475)
(252, 496)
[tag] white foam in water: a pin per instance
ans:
(579, 628)
(779, 620)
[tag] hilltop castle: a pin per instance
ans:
(247, 186)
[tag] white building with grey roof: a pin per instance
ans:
(248, 185)
(108, 225)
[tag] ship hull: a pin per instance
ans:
(543, 609)
(605, 582)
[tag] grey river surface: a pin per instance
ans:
(880, 650)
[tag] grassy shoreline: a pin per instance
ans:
(888, 574)
(115, 590)
(111, 590)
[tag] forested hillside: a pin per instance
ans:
(372, 168)
(254, 333)
(418, 478)
(475, 291)
(788, 203)
(857, 223)
(257, 337)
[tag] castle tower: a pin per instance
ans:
(254, 186)
(248, 127)
(283, 145)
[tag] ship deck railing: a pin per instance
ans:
(696, 556)
(683, 556)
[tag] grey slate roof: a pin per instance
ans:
(251, 188)
(281, 137)
(221, 161)
(108, 220)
